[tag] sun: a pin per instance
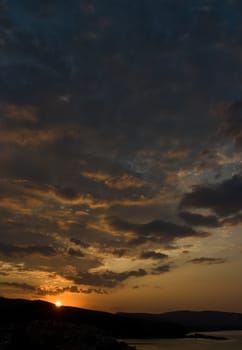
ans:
(58, 303)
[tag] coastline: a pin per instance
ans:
(215, 340)
(205, 336)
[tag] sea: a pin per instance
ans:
(233, 342)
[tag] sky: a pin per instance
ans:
(121, 152)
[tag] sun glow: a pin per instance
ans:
(58, 303)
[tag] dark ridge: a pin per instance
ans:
(197, 321)
(21, 311)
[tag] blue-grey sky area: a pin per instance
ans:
(120, 153)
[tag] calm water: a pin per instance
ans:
(234, 342)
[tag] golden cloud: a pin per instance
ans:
(119, 182)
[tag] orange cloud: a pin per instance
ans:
(19, 113)
(29, 136)
(177, 154)
(119, 182)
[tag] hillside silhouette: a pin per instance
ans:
(193, 321)
(177, 324)
(21, 311)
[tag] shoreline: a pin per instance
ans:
(205, 336)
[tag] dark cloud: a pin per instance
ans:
(107, 278)
(223, 198)
(161, 269)
(155, 231)
(79, 242)
(136, 287)
(76, 289)
(23, 286)
(37, 291)
(3, 273)
(119, 252)
(115, 63)
(76, 253)
(67, 194)
(185, 252)
(233, 220)
(232, 125)
(93, 290)
(48, 291)
(199, 220)
(97, 106)
(208, 261)
(153, 255)
(10, 250)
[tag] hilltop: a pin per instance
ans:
(177, 324)
(21, 311)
